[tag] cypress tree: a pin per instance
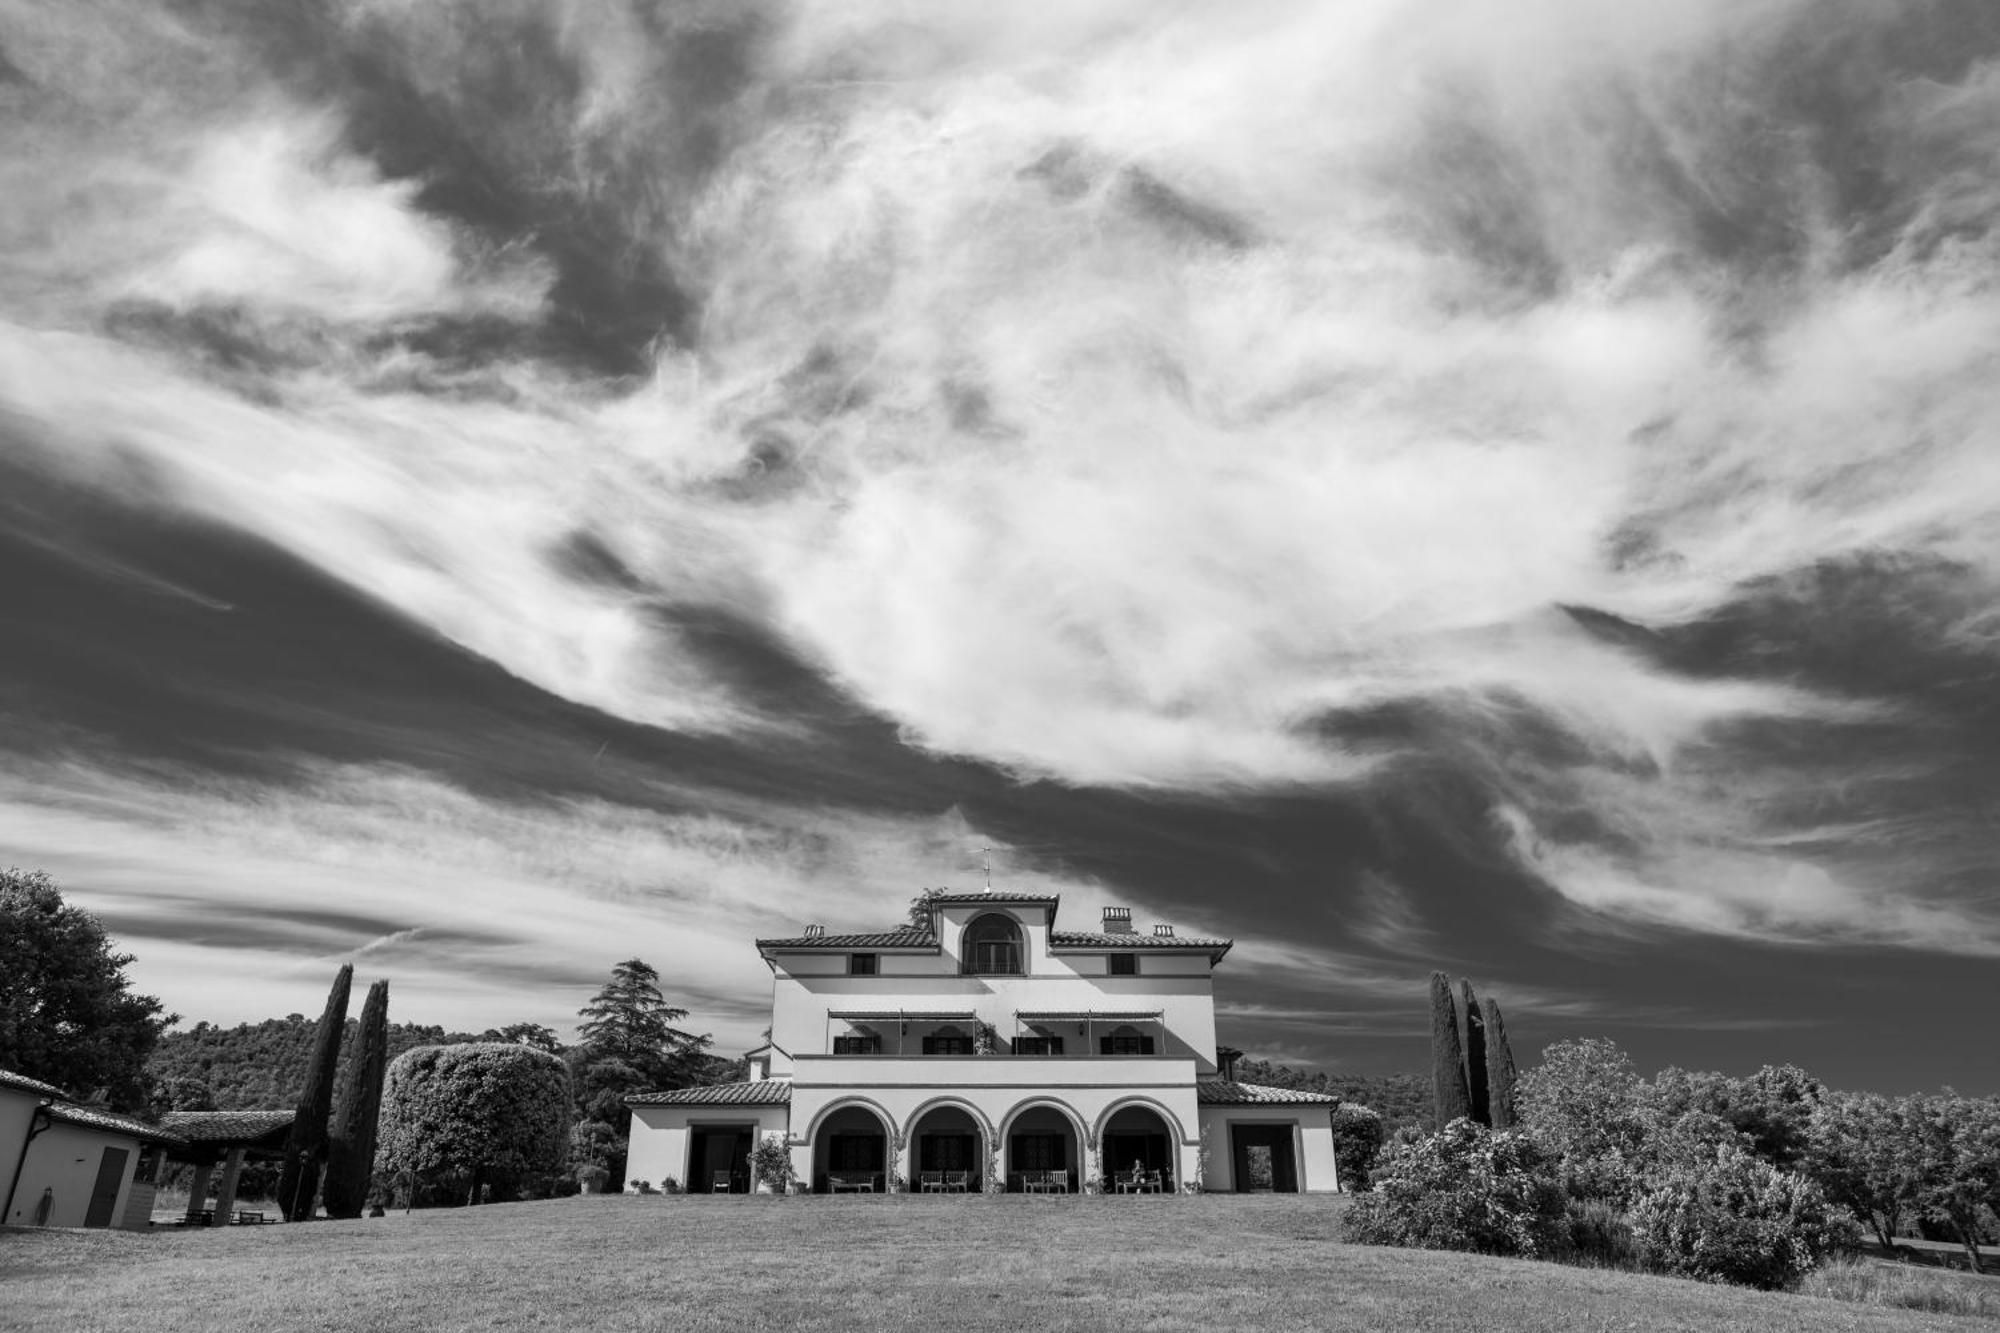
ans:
(1500, 1074)
(350, 1148)
(1475, 1055)
(298, 1181)
(1449, 1096)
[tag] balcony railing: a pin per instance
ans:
(1037, 1035)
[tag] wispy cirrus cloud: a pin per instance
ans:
(1153, 399)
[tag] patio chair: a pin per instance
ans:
(957, 1182)
(720, 1185)
(930, 1182)
(1056, 1182)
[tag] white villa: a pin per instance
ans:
(992, 1046)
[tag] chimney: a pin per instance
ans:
(1225, 1062)
(815, 931)
(1164, 932)
(1118, 921)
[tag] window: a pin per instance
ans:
(1124, 964)
(861, 1044)
(1038, 1045)
(1125, 1040)
(992, 947)
(947, 1041)
(862, 965)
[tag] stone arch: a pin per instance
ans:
(1172, 1121)
(889, 1127)
(1084, 1133)
(1074, 1159)
(978, 1116)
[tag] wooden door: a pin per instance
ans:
(104, 1195)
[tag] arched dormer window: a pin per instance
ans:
(992, 947)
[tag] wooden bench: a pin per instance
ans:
(861, 1182)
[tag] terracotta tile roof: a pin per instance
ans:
(1256, 1094)
(10, 1079)
(769, 1092)
(903, 937)
(69, 1113)
(226, 1126)
(1092, 939)
(1101, 939)
(991, 896)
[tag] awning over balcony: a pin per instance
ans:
(1089, 1015)
(908, 1016)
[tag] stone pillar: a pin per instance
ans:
(225, 1195)
(198, 1192)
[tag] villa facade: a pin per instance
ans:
(992, 1046)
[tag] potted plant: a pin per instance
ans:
(898, 1185)
(987, 1042)
(771, 1164)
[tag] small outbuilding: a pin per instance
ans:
(225, 1139)
(74, 1165)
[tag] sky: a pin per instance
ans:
(491, 489)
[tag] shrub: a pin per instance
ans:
(771, 1162)
(1357, 1142)
(1601, 1237)
(1733, 1218)
(1464, 1188)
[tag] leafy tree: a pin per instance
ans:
(67, 1012)
(1867, 1156)
(1475, 1056)
(1583, 1102)
(1400, 1099)
(1960, 1138)
(631, 1022)
(526, 1034)
(182, 1093)
(305, 1148)
(351, 1143)
(1500, 1072)
(920, 908)
(1450, 1097)
(486, 1113)
(261, 1066)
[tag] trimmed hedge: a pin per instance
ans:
(486, 1112)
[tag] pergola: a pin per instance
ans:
(226, 1137)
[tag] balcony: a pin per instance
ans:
(1036, 1035)
(992, 1071)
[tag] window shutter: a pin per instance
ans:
(1145, 1045)
(1104, 1045)
(930, 1045)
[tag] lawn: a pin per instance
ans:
(904, 1262)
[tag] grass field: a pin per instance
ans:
(902, 1262)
